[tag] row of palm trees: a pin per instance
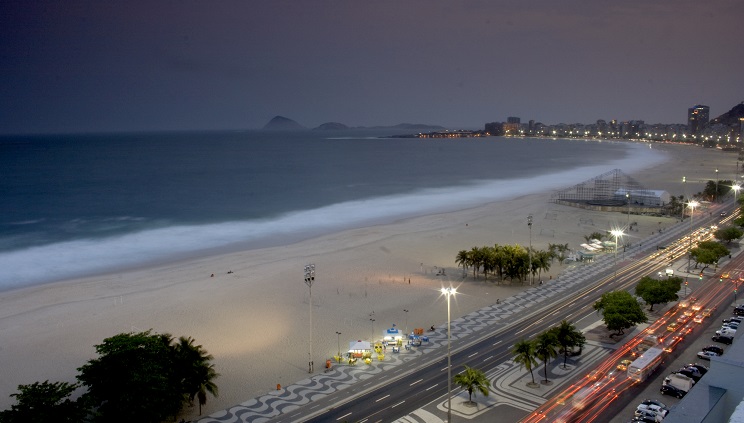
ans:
(510, 261)
(547, 346)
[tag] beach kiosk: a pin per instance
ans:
(359, 349)
(393, 337)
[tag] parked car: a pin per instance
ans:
(723, 339)
(644, 419)
(726, 331)
(702, 369)
(673, 391)
(715, 348)
(732, 325)
(648, 416)
(691, 372)
(732, 319)
(706, 355)
(656, 402)
(655, 409)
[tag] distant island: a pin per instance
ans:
(281, 123)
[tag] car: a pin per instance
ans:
(685, 315)
(671, 390)
(726, 331)
(739, 311)
(654, 402)
(645, 419)
(654, 409)
(672, 326)
(684, 304)
(707, 312)
(700, 368)
(698, 319)
(623, 365)
(692, 372)
(706, 355)
(715, 348)
(725, 275)
(723, 339)
(730, 325)
(696, 307)
(648, 416)
(723, 213)
(732, 319)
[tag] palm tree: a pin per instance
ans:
(197, 374)
(524, 352)
(206, 385)
(568, 337)
(463, 259)
(545, 349)
(472, 380)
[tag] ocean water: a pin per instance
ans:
(75, 205)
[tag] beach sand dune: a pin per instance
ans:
(253, 314)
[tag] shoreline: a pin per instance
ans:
(254, 320)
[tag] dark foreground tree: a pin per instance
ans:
(44, 402)
(620, 311)
(134, 379)
(195, 372)
(655, 291)
(472, 380)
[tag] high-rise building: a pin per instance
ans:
(697, 117)
(512, 119)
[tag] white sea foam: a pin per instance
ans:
(76, 258)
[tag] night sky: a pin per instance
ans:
(89, 66)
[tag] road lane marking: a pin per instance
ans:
(344, 416)
(380, 399)
(397, 404)
(431, 387)
(473, 355)
(488, 358)
(416, 382)
(497, 343)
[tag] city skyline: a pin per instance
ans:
(139, 66)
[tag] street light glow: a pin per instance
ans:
(449, 292)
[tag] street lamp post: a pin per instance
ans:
(309, 280)
(692, 205)
(529, 251)
(338, 343)
(716, 185)
(684, 186)
(627, 198)
(406, 311)
(373, 329)
(736, 189)
(616, 233)
(449, 292)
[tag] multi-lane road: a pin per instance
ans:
(391, 395)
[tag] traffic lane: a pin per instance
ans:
(685, 356)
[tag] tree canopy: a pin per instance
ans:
(654, 291)
(728, 234)
(708, 253)
(568, 337)
(44, 402)
(137, 377)
(505, 261)
(472, 380)
(620, 311)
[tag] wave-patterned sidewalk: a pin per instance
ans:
(342, 376)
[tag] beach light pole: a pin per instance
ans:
(736, 187)
(616, 233)
(627, 199)
(406, 311)
(449, 292)
(716, 185)
(338, 343)
(691, 205)
(529, 251)
(309, 280)
(684, 190)
(373, 329)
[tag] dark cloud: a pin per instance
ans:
(136, 65)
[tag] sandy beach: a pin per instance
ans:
(252, 315)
